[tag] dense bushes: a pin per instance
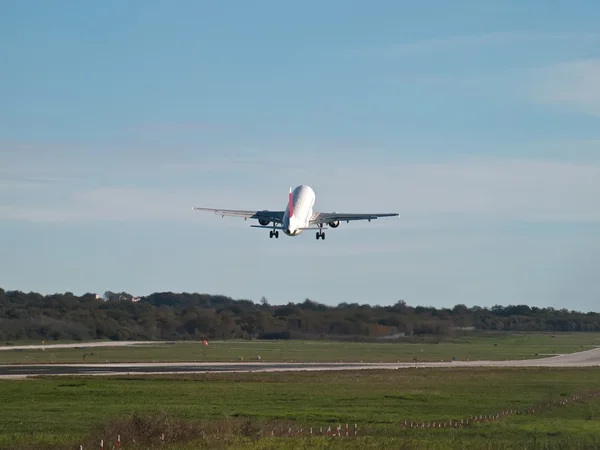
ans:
(171, 316)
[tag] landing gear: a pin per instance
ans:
(320, 233)
(274, 233)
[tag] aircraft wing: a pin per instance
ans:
(272, 216)
(323, 218)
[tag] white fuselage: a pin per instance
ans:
(303, 200)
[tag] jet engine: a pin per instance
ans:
(334, 224)
(263, 222)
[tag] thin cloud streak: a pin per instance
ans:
(524, 190)
(12, 183)
(177, 127)
(406, 244)
(574, 84)
(469, 41)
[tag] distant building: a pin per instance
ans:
(131, 298)
(117, 297)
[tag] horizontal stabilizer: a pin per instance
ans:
(277, 227)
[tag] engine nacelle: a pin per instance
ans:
(263, 222)
(334, 224)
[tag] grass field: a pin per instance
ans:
(474, 346)
(228, 410)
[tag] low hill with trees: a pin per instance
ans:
(177, 316)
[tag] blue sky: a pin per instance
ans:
(478, 122)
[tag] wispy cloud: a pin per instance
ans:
(513, 189)
(177, 127)
(113, 204)
(574, 84)
(424, 242)
(118, 159)
(9, 180)
(509, 189)
(462, 42)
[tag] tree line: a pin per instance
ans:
(177, 316)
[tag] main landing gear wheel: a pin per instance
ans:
(274, 233)
(320, 234)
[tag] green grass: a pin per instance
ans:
(73, 410)
(473, 346)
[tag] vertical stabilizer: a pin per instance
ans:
(291, 203)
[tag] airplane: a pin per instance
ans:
(297, 217)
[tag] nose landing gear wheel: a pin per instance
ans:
(274, 233)
(320, 234)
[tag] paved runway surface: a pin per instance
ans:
(589, 358)
(84, 345)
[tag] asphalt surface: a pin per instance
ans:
(589, 358)
(83, 345)
(125, 368)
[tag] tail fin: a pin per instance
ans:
(291, 203)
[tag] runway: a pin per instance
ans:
(84, 345)
(588, 358)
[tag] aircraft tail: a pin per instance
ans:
(291, 203)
